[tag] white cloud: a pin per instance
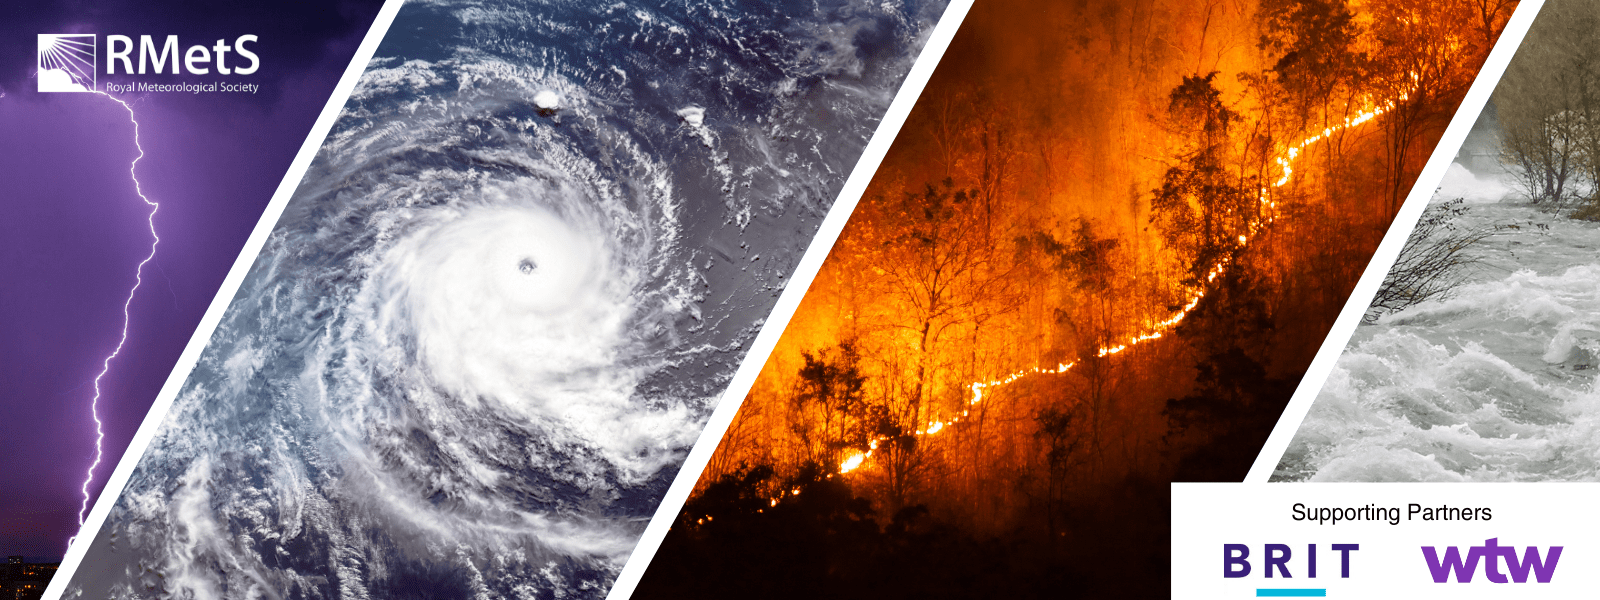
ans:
(57, 80)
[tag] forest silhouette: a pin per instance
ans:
(1097, 260)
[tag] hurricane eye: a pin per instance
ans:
(527, 266)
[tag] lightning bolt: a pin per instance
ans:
(138, 279)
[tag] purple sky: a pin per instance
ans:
(72, 230)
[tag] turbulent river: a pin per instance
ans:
(1496, 382)
(501, 304)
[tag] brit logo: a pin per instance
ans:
(67, 62)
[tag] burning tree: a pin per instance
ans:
(1203, 205)
(829, 409)
(1120, 267)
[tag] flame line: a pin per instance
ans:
(1160, 328)
(138, 280)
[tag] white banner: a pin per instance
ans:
(1385, 540)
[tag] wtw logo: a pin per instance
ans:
(1490, 553)
(67, 62)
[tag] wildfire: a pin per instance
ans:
(847, 466)
(1157, 329)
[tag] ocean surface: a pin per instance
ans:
(497, 311)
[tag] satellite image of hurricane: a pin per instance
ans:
(503, 301)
